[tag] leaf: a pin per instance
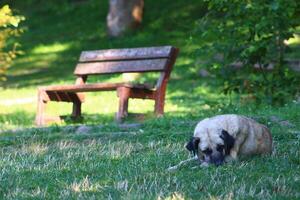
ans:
(15, 21)
(274, 5)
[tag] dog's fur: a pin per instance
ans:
(225, 137)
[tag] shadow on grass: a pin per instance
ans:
(55, 37)
(97, 127)
(16, 119)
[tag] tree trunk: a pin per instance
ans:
(124, 15)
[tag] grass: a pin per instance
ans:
(110, 162)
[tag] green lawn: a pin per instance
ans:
(111, 162)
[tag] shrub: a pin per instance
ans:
(251, 33)
(8, 28)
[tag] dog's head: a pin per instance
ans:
(212, 148)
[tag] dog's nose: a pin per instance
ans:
(217, 160)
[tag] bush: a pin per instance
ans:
(8, 28)
(251, 33)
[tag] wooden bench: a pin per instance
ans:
(112, 61)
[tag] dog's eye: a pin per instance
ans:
(220, 148)
(207, 151)
(200, 155)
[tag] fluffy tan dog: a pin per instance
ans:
(225, 137)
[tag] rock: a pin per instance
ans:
(83, 129)
(204, 73)
(281, 122)
(287, 124)
(274, 118)
(69, 129)
(256, 118)
(130, 126)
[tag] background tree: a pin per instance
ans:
(124, 15)
(251, 33)
(8, 27)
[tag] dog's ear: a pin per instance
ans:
(192, 145)
(228, 141)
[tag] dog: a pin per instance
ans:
(224, 138)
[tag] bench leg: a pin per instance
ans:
(159, 105)
(41, 106)
(123, 94)
(76, 113)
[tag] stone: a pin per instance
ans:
(204, 73)
(130, 126)
(274, 118)
(287, 124)
(83, 129)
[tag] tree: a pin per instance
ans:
(8, 27)
(252, 33)
(124, 15)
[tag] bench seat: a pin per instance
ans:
(92, 87)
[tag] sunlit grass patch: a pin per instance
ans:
(35, 149)
(56, 47)
(85, 185)
(174, 196)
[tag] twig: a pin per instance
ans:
(175, 167)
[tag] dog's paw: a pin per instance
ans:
(233, 155)
(204, 164)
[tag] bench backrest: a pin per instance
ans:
(113, 61)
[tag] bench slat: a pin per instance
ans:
(52, 96)
(52, 90)
(120, 67)
(125, 54)
(82, 88)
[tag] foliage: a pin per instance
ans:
(251, 33)
(8, 28)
